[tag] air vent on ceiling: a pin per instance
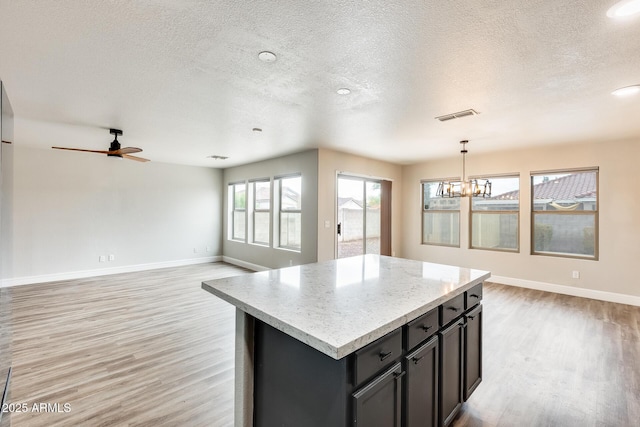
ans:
(216, 157)
(465, 113)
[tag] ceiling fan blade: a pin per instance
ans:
(81, 149)
(126, 150)
(136, 158)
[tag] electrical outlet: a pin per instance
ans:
(575, 274)
(102, 258)
(112, 257)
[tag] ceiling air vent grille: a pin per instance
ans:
(465, 113)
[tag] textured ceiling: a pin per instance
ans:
(183, 78)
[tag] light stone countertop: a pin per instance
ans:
(339, 306)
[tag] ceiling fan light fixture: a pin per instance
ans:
(626, 91)
(115, 150)
(624, 9)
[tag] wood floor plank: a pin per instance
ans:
(153, 349)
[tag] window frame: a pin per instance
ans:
(438, 211)
(595, 213)
(233, 210)
(255, 209)
(279, 179)
(494, 212)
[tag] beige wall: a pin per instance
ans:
(329, 164)
(619, 223)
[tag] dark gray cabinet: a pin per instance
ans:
(472, 350)
(416, 376)
(421, 395)
(451, 370)
(379, 403)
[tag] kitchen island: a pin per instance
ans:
(367, 340)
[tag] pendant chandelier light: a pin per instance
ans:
(465, 187)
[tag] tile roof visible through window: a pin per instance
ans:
(573, 186)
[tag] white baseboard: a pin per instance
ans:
(240, 263)
(27, 280)
(568, 290)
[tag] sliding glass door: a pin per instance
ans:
(361, 219)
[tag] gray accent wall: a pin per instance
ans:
(306, 164)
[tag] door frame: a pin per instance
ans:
(335, 204)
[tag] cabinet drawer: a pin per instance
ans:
(452, 309)
(378, 355)
(422, 328)
(473, 296)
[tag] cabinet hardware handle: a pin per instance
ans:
(471, 317)
(425, 328)
(475, 296)
(384, 355)
(452, 308)
(400, 375)
(415, 360)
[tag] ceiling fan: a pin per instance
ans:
(114, 149)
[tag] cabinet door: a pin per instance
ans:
(421, 392)
(451, 359)
(472, 351)
(379, 403)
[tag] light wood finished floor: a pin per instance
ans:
(153, 349)
(556, 360)
(145, 349)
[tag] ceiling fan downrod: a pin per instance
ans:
(115, 145)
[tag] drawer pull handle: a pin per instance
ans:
(475, 296)
(471, 317)
(452, 308)
(400, 375)
(425, 328)
(384, 355)
(415, 360)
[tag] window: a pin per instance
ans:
(238, 193)
(290, 206)
(494, 220)
(565, 213)
(440, 217)
(261, 211)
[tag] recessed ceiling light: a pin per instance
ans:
(216, 157)
(627, 91)
(266, 56)
(624, 9)
(343, 91)
(257, 129)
